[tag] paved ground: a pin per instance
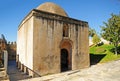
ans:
(100, 72)
(14, 73)
(3, 75)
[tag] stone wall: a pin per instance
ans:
(40, 40)
(48, 35)
(25, 44)
(11, 48)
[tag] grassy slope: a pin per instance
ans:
(104, 49)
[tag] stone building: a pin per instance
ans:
(3, 46)
(3, 43)
(49, 41)
(11, 48)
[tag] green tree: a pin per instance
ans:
(96, 39)
(92, 32)
(111, 30)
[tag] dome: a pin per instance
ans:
(52, 8)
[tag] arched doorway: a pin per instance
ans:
(64, 60)
(66, 55)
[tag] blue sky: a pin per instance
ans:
(93, 11)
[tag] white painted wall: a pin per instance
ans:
(25, 43)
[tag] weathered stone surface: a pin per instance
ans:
(3, 75)
(50, 43)
(52, 8)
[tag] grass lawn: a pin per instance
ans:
(103, 53)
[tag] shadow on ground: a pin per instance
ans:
(14, 73)
(113, 50)
(96, 58)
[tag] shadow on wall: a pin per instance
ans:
(96, 58)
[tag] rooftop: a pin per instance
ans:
(52, 8)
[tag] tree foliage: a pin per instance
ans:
(91, 32)
(111, 30)
(96, 39)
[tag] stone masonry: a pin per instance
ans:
(50, 42)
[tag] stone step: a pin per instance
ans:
(3, 75)
(4, 78)
(2, 69)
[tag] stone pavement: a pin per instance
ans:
(101, 72)
(14, 73)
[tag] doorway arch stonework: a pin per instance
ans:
(67, 45)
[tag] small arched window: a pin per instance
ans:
(65, 30)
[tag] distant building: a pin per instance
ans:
(51, 42)
(3, 46)
(3, 43)
(11, 48)
(102, 40)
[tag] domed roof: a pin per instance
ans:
(52, 8)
